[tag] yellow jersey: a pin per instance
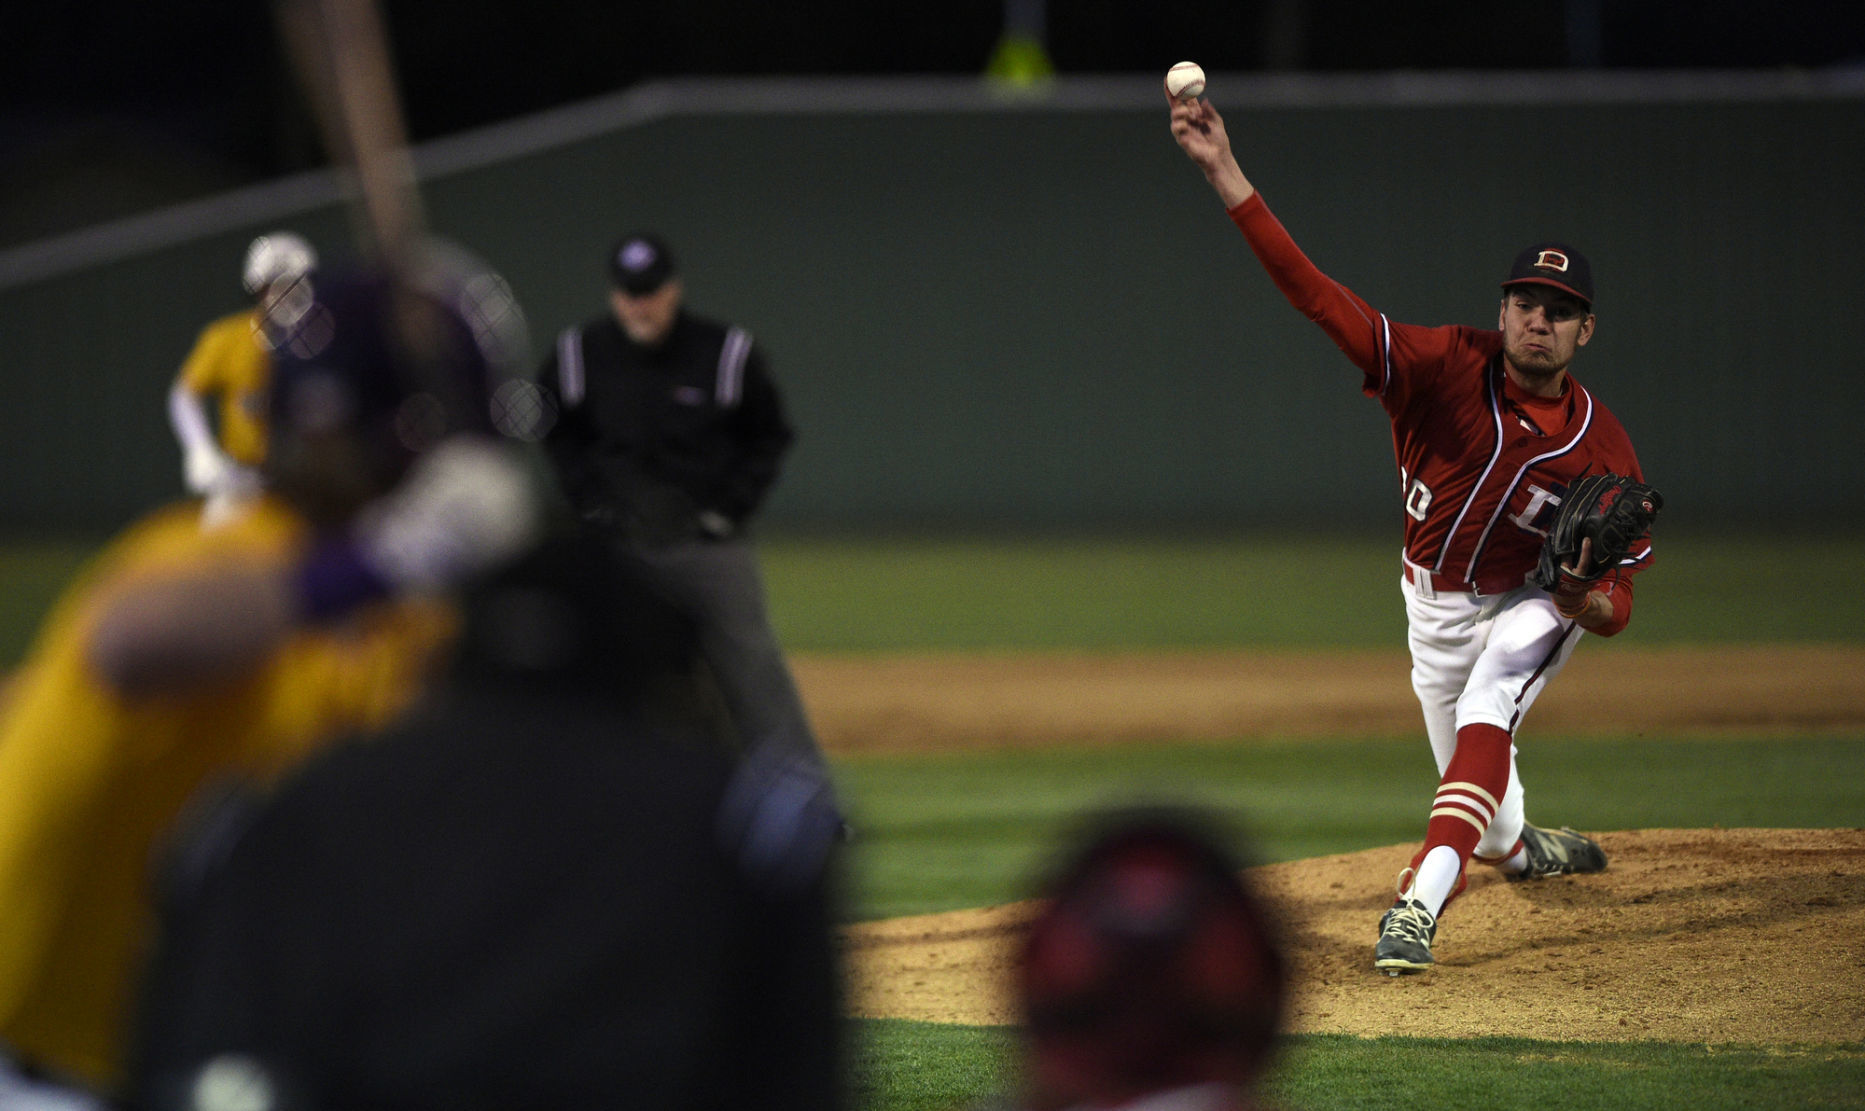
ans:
(91, 781)
(230, 360)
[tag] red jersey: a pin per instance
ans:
(1482, 464)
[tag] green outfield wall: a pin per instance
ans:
(1030, 312)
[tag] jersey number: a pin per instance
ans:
(1417, 499)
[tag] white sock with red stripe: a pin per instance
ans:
(1436, 877)
(1466, 803)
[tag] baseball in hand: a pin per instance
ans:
(1185, 81)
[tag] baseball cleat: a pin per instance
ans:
(1558, 852)
(1405, 934)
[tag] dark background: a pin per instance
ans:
(110, 109)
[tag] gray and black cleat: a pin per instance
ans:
(1405, 934)
(1558, 852)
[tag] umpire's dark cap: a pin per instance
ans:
(640, 263)
(1553, 264)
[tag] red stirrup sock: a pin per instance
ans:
(1467, 799)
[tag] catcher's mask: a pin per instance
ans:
(1151, 967)
(370, 368)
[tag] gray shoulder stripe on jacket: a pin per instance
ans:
(570, 366)
(730, 384)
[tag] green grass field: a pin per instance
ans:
(916, 1066)
(917, 594)
(1283, 591)
(939, 832)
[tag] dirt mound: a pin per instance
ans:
(1699, 936)
(1715, 936)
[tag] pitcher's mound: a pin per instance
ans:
(1750, 936)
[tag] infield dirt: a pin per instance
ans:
(1710, 936)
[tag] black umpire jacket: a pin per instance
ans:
(648, 439)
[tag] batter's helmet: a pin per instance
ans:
(1151, 967)
(276, 256)
(371, 367)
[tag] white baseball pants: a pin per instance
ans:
(1483, 660)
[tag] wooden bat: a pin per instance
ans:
(341, 53)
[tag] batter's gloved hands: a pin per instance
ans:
(1601, 517)
(464, 508)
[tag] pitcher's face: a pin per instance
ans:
(1542, 329)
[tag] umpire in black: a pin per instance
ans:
(669, 435)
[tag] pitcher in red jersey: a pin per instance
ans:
(1489, 431)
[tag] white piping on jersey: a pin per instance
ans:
(1586, 422)
(1385, 353)
(730, 383)
(1444, 553)
(570, 383)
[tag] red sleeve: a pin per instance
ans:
(1618, 587)
(1615, 453)
(1388, 353)
(1349, 321)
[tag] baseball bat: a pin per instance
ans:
(340, 51)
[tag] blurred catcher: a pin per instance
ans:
(515, 897)
(1152, 977)
(184, 655)
(221, 455)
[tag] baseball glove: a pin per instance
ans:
(1609, 509)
